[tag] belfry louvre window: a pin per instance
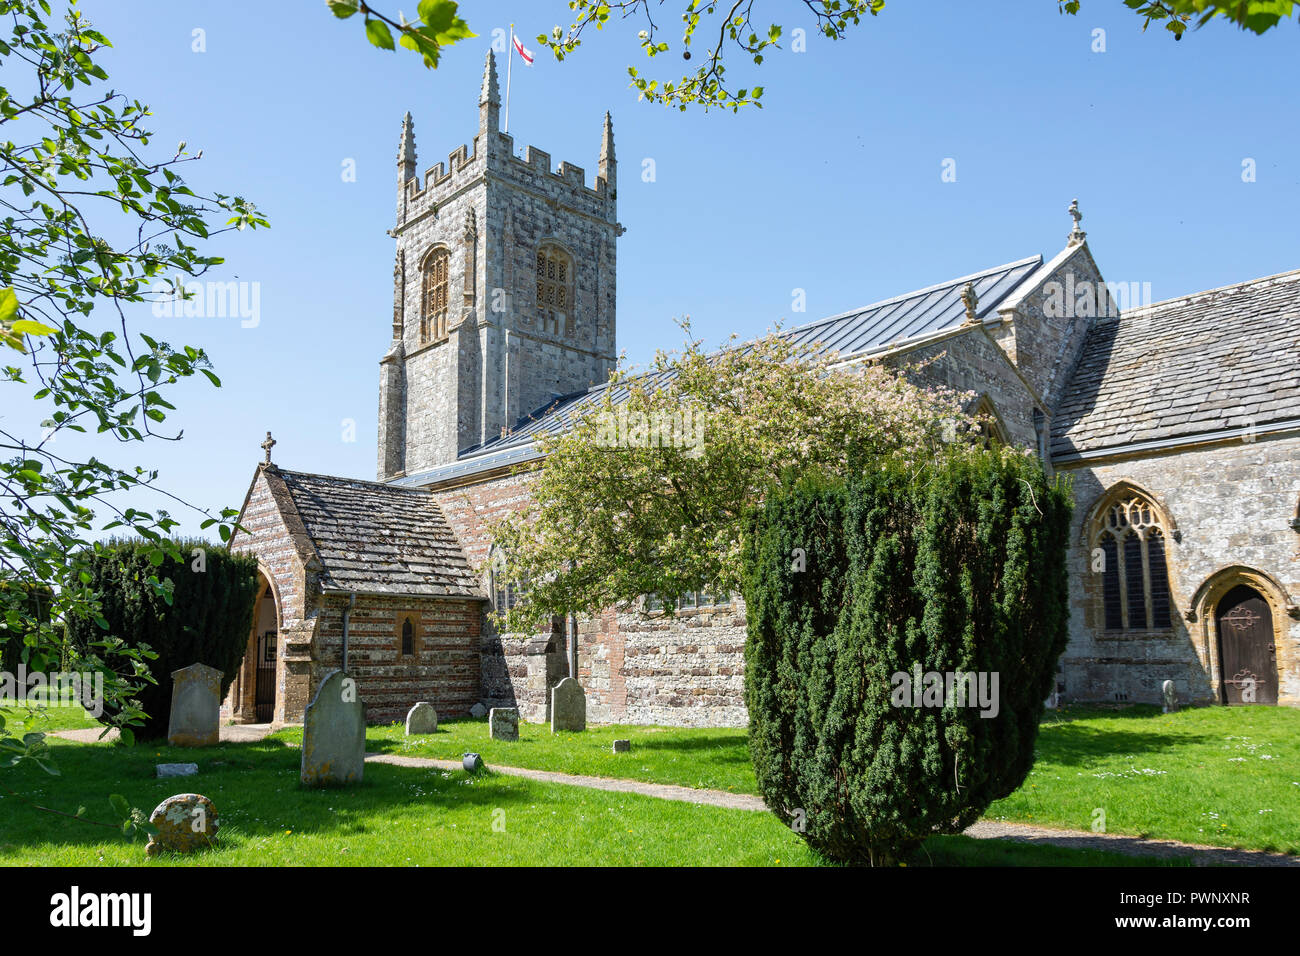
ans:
(554, 291)
(1134, 574)
(434, 298)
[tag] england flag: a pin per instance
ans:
(523, 51)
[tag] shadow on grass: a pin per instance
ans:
(254, 786)
(1076, 744)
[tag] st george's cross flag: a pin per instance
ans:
(523, 51)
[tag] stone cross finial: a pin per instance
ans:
(1077, 235)
(268, 445)
(970, 300)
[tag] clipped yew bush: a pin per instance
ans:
(957, 565)
(206, 621)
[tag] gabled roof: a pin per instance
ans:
(1223, 359)
(377, 538)
(872, 329)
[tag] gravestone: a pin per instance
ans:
(185, 822)
(1170, 693)
(478, 711)
(503, 723)
(334, 733)
(568, 706)
(472, 763)
(196, 707)
(622, 746)
(422, 719)
(177, 769)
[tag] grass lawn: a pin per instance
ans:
(713, 759)
(409, 816)
(42, 718)
(1224, 776)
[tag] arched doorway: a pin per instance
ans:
(1247, 652)
(253, 693)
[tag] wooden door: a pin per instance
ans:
(1247, 654)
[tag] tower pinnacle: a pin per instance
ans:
(489, 101)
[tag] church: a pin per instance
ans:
(1178, 424)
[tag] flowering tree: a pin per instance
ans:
(649, 491)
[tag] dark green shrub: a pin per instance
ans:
(954, 566)
(207, 622)
(24, 610)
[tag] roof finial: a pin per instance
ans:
(1077, 235)
(268, 445)
(971, 301)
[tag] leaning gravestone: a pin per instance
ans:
(503, 723)
(568, 706)
(185, 822)
(422, 719)
(334, 734)
(196, 707)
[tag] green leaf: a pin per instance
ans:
(379, 35)
(120, 805)
(342, 8)
(8, 304)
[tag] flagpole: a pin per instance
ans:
(510, 56)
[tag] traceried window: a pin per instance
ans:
(1129, 541)
(435, 297)
(554, 291)
(503, 592)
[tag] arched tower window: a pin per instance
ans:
(554, 290)
(1129, 553)
(434, 298)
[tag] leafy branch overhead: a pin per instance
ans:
(96, 224)
(713, 29)
(438, 26)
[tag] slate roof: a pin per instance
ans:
(878, 327)
(378, 538)
(1196, 365)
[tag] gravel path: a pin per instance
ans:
(232, 733)
(665, 791)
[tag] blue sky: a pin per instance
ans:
(835, 187)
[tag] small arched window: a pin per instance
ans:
(408, 636)
(435, 298)
(992, 431)
(1129, 552)
(554, 290)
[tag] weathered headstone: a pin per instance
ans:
(503, 723)
(622, 746)
(421, 719)
(1170, 693)
(568, 706)
(334, 733)
(177, 769)
(478, 711)
(472, 763)
(196, 707)
(185, 822)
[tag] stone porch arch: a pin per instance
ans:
(243, 692)
(1204, 626)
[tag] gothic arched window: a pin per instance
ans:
(554, 290)
(434, 296)
(1129, 553)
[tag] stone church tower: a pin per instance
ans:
(503, 291)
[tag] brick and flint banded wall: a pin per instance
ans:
(443, 670)
(636, 668)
